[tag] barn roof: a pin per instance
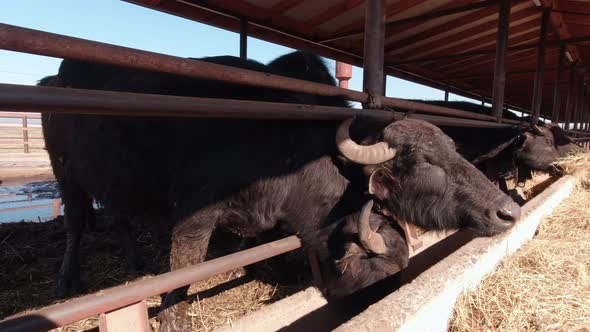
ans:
(441, 43)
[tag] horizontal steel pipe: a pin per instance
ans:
(65, 100)
(114, 298)
(49, 44)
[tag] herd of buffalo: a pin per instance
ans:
(340, 186)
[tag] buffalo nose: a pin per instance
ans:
(510, 212)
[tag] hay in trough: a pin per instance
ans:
(545, 286)
(577, 164)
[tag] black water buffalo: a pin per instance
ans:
(497, 152)
(250, 176)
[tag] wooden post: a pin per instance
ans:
(500, 66)
(570, 97)
(556, 89)
(25, 134)
(538, 85)
(243, 39)
(373, 52)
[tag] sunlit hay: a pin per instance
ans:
(545, 286)
(577, 164)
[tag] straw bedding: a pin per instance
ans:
(545, 286)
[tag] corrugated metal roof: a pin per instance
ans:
(454, 50)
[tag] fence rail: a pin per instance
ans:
(7, 143)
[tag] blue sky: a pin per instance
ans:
(121, 23)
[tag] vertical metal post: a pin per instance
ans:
(581, 100)
(373, 52)
(243, 39)
(556, 89)
(578, 108)
(575, 98)
(483, 101)
(538, 85)
(570, 97)
(25, 134)
(446, 95)
(500, 66)
(343, 74)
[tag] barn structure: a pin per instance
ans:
(528, 56)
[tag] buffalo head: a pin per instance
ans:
(536, 149)
(415, 174)
(356, 252)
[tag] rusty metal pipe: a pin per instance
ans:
(500, 64)
(556, 90)
(540, 71)
(243, 39)
(49, 44)
(78, 101)
(107, 300)
(373, 74)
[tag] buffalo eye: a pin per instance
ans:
(432, 177)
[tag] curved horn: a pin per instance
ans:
(537, 130)
(361, 154)
(370, 239)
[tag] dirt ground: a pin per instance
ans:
(545, 286)
(10, 176)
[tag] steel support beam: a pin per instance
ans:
(538, 85)
(571, 89)
(500, 65)
(243, 39)
(580, 105)
(556, 90)
(373, 72)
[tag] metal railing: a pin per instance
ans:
(129, 300)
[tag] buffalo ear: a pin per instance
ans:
(381, 183)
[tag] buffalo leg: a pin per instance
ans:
(503, 185)
(91, 218)
(129, 243)
(190, 239)
(76, 204)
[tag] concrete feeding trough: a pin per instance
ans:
(426, 302)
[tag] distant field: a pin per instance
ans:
(11, 139)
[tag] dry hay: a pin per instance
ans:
(577, 164)
(545, 286)
(30, 255)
